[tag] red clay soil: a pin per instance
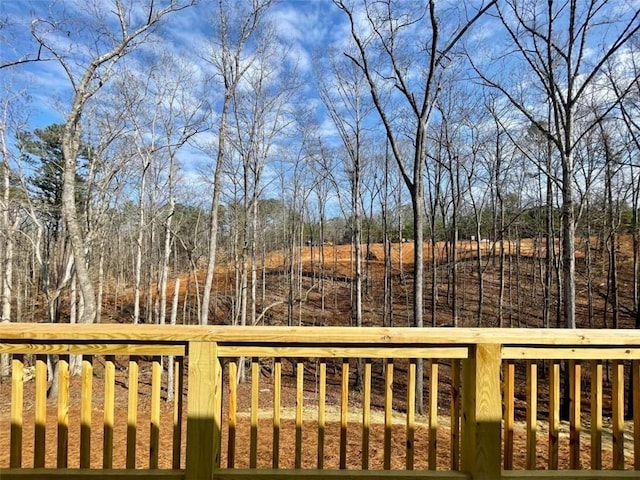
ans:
(339, 260)
(309, 433)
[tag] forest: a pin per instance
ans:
(429, 164)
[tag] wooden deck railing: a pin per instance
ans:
(334, 402)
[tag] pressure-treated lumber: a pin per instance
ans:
(554, 414)
(411, 413)
(277, 394)
(40, 411)
(532, 413)
(17, 399)
(482, 413)
(508, 393)
(202, 445)
(86, 399)
(371, 336)
(596, 415)
(83, 474)
(109, 412)
(63, 412)
(568, 475)
(433, 414)
(154, 434)
(132, 411)
(249, 474)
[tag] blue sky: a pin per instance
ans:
(307, 26)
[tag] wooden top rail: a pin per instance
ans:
(366, 336)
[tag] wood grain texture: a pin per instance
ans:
(575, 424)
(433, 414)
(554, 414)
(341, 351)
(322, 400)
(177, 412)
(86, 399)
(366, 413)
(482, 413)
(109, 411)
(617, 418)
(232, 410)
(508, 394)
(532, 413)
(81, 474)
(277, 403)
(40, 419)
(456, 372)
(299, 407)
(132, 411)
(203, 386)
(388, 414)
(374, 336)
(62, 454)
(255, 410)
(154, 420)
(635, 382)
(92, 349)
(248, 474)
(411, 416)
(344, 414)
(17, 400)
(596, 415)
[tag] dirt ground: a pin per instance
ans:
(335, 311)
(309, 432)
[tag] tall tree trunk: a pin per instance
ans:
(213, 219)
(170, 359)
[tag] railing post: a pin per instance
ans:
(482, 412)
(204, 404)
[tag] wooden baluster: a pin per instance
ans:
(388, 413)
(482, 412)
(109, 411)
(554, 413)
(366, 414)
(575, 373)
(596, 415)
(277, 395)
(344, 413)
(455, 414)
(322, 399)
(617, 417)
(509, 411)
(433, 415)
(255, 388)
(177, 412)
(232, 413)
(411, 414)
(86, 397)
(62, 454)
(132, 411)
(40, 412)
(17, 419)
(299, 407)
(204, 395)
(154, 434)
(635, 373)
(532, 413)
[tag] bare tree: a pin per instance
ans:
(114, 37)
(552, 47)
(345, 95)
(235, 23)
(384, 50)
